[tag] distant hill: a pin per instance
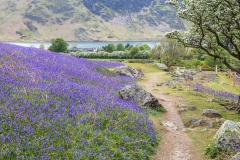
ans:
(86, 20)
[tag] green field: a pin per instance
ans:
(201, 137)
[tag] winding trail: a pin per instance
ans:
(175, 143)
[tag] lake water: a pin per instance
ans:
(85, 44)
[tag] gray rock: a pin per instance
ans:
(194, 122)
(182, 106)
(228, 136)
(182, 109)
(192, 108)
(139, 95)
(128, 71)
(168, 124)
(211, 113)
(188, 76)
(209, 124)
(170, 83)
(177, 74)
(162, 66)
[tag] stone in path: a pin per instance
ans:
(170, 125)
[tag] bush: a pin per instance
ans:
(42, 46)
(145, 47)
(141, 55)
(58, 45)
(109, 48)
(113, 55)
(134, 50)
(211, 150)
(120, 47)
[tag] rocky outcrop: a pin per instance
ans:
(186, 74)
(128, 71)
(228, 136)
(207, 122)
(211, 113)
(139, 95)
(194, 122)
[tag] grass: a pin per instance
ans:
(223, 83)
(145, 68)
(201, 137)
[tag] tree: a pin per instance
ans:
(109, 48)
(58, 45)
(171, 51)
(134, 50)
(215, 28)
(156, 52)
(145, 47)
(120, 47)
(128, 46)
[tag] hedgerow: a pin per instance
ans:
(113, 55)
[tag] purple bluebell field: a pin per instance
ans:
(221, 94)
(54, 106)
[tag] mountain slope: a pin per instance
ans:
(86, 19)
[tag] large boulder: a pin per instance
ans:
(186, 74)
(128, 71)
(228, 136)
(211, 113)
(162, 66)
(177, 73)
(139, 95)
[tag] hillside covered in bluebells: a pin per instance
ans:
(54, 106)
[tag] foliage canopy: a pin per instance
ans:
(120, 47)
(58, 45)
(109, 48)
(215, 28)
(145, 47)
(134, 50)
(171, 51)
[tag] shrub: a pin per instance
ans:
(113, 55)
(109, 48)
(141, 55)
(134, 50)
(145, 47)
(58, 45)
(42, 46)
(212, 151)
(120, 47)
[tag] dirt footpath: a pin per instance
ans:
(175, 143)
